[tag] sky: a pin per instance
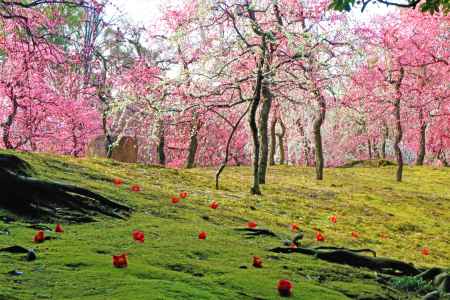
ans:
(142, 12)
(137, 11)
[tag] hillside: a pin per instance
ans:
(396, 220)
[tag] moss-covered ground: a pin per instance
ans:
(395, 219)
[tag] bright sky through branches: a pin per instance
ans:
(143, 12)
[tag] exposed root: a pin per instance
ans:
(46, 200)
(352, 258)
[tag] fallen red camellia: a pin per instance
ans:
(117, 181)
(294, 227)
(355, 234)
(202, 235)
(175, 200)
(183, 195)
(252, 224)
(333, 219)
(285, 288)
(138, 236)
(425, 251)
(120, 261)
(257, 262)
(135, 188)
(39, 237)
(214, 205)
(320, 237)
(59, 228)
(383, 236)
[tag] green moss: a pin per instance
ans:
(174, 264)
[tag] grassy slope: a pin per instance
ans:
(174, 264)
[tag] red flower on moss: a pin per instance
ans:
(294, 227)
(355, 234)
(59, 228)
(135, 188)
(285, 288)
(120, 261)
(425, 251)
(257, 262)
(138, 236)
(183, 195)
(252, 225)
(333, 219)
(39, 237)
(175, 200)
(214, 205)
(117, 181)
(320, 237)
(202, 235)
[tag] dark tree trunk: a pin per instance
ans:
(441, 156)
(255, 189)
(8, 123)
(399, 130)
(273, 142)
(317, 126)
(422, 140)
(369, 147)
(109, 138)
(161, 143)
(281, 142)
(227, 149)
(383, 144)
(193, 143)
(263, 131)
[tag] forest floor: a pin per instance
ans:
(396, 220)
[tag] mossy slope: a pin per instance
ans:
(174, 264)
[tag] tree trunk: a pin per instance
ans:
(8, 123)
(255, 189)
(399, 130)
(273, 142)
(193, 143)
(263, 131)
(109, 138)
(383, 144)
(281, 142)
(161, 143)
(227, 149)
(317, 125)
(369, 147)
(422, 140)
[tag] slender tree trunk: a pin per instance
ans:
(273, 142)
(383, 144)
(422, 140)
(281, 142)
(161, 143)
(227, 149)
(8, 123)
(193, 143)
(369, 147)
(398, 139)
(109, 139)
(317, 125)
(255, 189)
(399, 130)
(263, 131)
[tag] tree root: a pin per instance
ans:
(46, 200)
(254, 232)
(352, 258)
